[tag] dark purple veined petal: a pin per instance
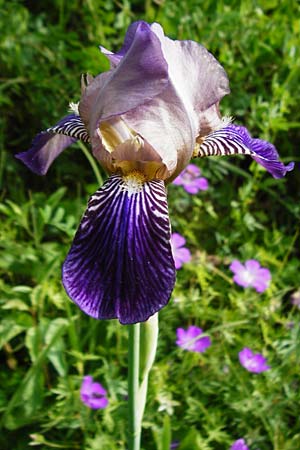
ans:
(120, 264)
(235, 139)
(49, 144)
(72, 127)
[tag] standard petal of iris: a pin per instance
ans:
(172, 121)
(141, 75)
(133, 29)
(49, 144)
(120, 264)
(165, 125)
(234, 139)
(208, 82)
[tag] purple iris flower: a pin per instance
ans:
(191, 180)
(251, 274)
(240, 444)
(190, 339)
(253, 362)
(180, 253)
(93, 394)
(144, 118)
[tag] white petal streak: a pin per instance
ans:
(222, 143)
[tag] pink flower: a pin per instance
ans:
(93, 394)
(190, 339)
(240, 444)
(295, 298)
(251, 274)
(180, 253)
(255, 363)
(191, 181)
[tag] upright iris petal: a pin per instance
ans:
(145, 118)
(168, 118)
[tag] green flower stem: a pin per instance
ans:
(134, 434)
(92, 162)
(141, 355)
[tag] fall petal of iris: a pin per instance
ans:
(120, 264)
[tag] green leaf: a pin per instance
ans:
(8, 330)
(166, 434)
(57, 350)
(193, 440)
(28, 398)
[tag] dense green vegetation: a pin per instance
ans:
(47, 344)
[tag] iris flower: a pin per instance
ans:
(145, 118)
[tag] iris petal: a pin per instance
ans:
(115, 58)
(171, 121)
(120, 264)
(49, 144)
(235, 139)
(141, 75)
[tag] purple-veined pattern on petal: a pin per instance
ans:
(120, 264)
(234, 139)
(49, 144)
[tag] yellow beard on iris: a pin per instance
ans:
(128, 153)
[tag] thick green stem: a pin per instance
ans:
(141, 355)
(134, 432)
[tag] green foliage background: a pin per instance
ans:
(203, 401)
